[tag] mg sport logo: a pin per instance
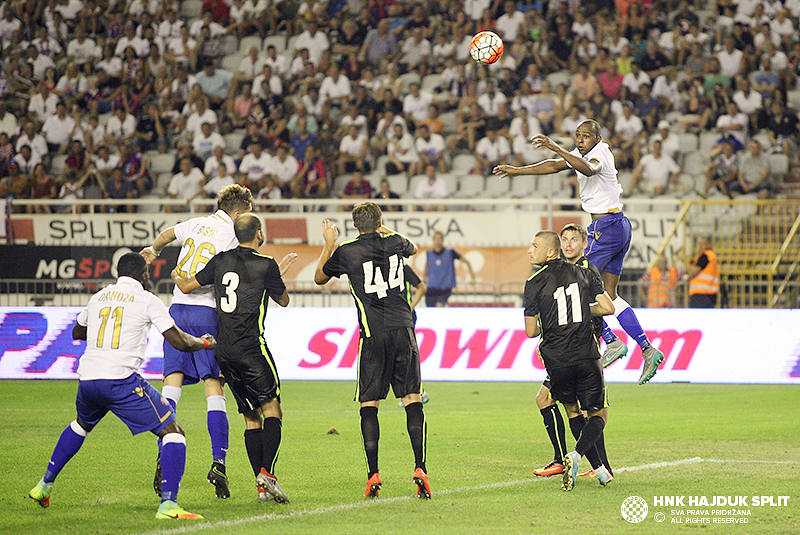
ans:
(634, 509)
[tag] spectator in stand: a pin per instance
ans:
(334, 90)
(202, 114)
(26, 160)
(670, 143)
(753, 174)
(646, 107)
(722, 172)
(118, 188)
(311, 181)
(134, 164)
(385, 192)
(431, 148)
(32, 139)
(732, 126)
(657, 285)
(416, 105)
(766, 80)
(636, 78)
(211, 167)
(431, 187)
(783, 127)
(121, 127)
(215, 83)
(357, 188)
(313, 40)
(105, 162)
(151, 132)
(695, 110)
(353, 152)
(58, 129)
(184, 186)
(256, 164)
(284, 167)
(403, 156)
(416, 51)
(491, 151)
(77, 159)
(302, 139)
(221, 178)
(610, 80)
(655, 173)
(9, 124)
(205, 143)
(380, 44)
(43, 104)
(626, 138)
(492, 100)
(748, 101)
(704, 282)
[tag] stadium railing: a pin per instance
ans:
(756, 243)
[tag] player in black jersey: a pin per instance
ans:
(413, 282)
(560, 300)
(243, 281)
(573, 242)
(388, 353)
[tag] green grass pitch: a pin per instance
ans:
(483, 441)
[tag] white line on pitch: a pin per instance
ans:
(369, 503)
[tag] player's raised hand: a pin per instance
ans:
(148, 254)
(504, 171)
(329, 232)
(286, 262)
(542, 141)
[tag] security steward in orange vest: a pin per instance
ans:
(658, 285)
(704, 277)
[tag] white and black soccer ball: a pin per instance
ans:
(486, 47)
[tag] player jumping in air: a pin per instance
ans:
(609, 232)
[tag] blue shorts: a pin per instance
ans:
(196, 320)
(609, 239)
(133, 400)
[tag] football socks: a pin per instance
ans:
(254, 444)
(68, 444)
(418, 432)
(371, 433)
(628, 321)
(577, 425)
(173, 463)
(217, 420)
(271, 438)
(554, 424)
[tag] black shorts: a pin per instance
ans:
(388, 358)
(252, 377)
(703, 301)
(582, 383)
(434, 296)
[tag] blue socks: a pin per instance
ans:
(68, 444)
(629, 322)
(217, 427)
(173, 463)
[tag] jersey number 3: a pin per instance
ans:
(560, 295)
(227, 302)
(374, 283)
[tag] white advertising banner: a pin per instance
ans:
(470, 229)
(456, 344)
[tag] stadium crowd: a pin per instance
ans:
(312, 99)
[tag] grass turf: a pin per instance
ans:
(483, 441)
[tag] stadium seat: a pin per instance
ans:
(470, 186)
(58, 165)
(228, 45)
(278, 41)
(339, 184)
(625, 178)
(290, 44)
(464, 163)
(162, 183)
(430, 82)
(707, 141)
(559, 78)
(687, 143)
(408, 79)
(496, 187)
(397, 183)
(793, 100)
(233, 141)
(380, 164)
(450, 122)
(778, 164)
(695, 163)
(191, 9)
(412, 185)
(249, 41)
(231, 62)
(522, 187)
(162, 163)
(451, 181)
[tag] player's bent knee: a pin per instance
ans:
(272, 409)
(573, 410)
(173, 427)
(543, 399)
(252, 419)
(81, 428)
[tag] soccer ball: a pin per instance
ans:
(486, 47)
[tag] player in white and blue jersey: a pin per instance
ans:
(201, 238)
(609, 231)
(115, 325)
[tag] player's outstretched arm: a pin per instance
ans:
(583, 166)
(286, 262)
(330, 234)
(545, 167)
(602, 306)
(162, 240)
(186, 284)
(183, 341)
